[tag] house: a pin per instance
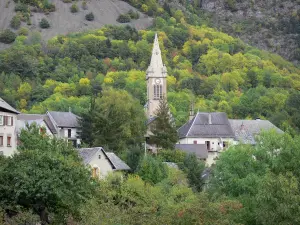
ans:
(101, 162)
(246, 130)
(64, 125)
(40, 120)
(8, 137)
(206, 132)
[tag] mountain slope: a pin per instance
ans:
(62, 21)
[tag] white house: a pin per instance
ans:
(102, 163)
(39, 119)
(8, 137)
(206, 134)
(64, 125)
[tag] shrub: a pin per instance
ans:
(152, 170)
(89, 17)
(133, 15)
(15, 22)
(74, 8)
(124, 18)
(23, 31)
(20, 7)
(7, 36)
(44, 24)
(84, 5)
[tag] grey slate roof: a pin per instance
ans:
(117, 162)
(64, 119)
(27, 117)
(213, 124)
(199, 149)
(245, 130)
(87, 155)
(5, 106)
(37, 118)
(50, 124)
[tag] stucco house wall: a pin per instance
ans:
(215, 143)
(8, 131)
(100, 161)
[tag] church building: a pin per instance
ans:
(156, 77)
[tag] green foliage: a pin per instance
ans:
(118, 121)
(74, 8)
(152, 170)
(7, 36)
(15, 22)
(23, 31)
(163, 131)
(89, 16)
(44, 23)
(49, 179)
(193, 167)
(124, 18)
(263, 178)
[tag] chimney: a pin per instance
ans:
(70, 109)
(209, 118)
(192, 114)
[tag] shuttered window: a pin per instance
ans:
(1, 140)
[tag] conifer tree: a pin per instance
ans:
(163, 130)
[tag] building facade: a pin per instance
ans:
(156, 77)
(8, 134)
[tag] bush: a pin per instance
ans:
(20, 7)
(84, 5)
(124, 18)
(15, 22)
(152, 170)
(74, 8)
(44, 24)
(7, 36)
(133, 15)
(23, 31)
(89, 17)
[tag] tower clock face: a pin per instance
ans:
(157, 81)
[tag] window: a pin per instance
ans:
(195, 142)
(69, 133)
(207, 145)
(1, 121)
(99, 156)
(8, 120)
(158, 93)
(1, 140)
(8, 141)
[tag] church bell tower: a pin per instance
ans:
(156, 77)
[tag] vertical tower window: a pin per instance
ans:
(158, 93)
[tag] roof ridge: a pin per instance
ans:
(187, 134)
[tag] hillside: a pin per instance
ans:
(266, 24)
(62, 21)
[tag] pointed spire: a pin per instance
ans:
(156, 65)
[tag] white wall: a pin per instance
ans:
(103, 164)
(21, 124)
(213, 142)
(6, 131)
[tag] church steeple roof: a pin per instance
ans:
(156, 67)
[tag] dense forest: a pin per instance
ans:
(210, 68)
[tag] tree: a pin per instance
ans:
(46, 176)
(44, 24)
(90, 16)
(118, 121)
(7, 36)
(164, 133)
(152, 170)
